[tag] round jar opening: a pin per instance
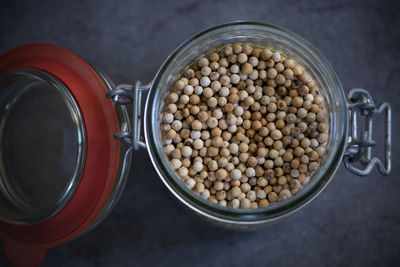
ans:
(42, 146)
(246, 32)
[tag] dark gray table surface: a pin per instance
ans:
(355, 222)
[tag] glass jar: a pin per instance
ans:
(99, 157)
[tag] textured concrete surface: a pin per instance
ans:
(355, 222)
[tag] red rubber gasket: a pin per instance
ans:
(102, 152)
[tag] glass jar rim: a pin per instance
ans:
(204, 206)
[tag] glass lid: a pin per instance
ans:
(59, 163)
(42, 146)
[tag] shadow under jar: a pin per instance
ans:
(95, 119)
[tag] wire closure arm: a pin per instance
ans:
(126, 94)
(359, 148)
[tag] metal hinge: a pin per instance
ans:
(126, 94)
(359, 148)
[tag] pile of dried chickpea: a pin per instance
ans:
(245, 126)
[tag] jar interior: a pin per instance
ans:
(264, 35)
(42, 145)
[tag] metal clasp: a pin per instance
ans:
(125, 94)
(359, 147)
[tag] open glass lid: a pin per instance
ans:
(59, 162)
(42, 146)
